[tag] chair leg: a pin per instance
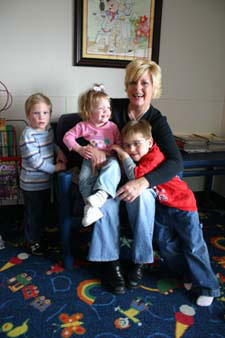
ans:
(65, 213)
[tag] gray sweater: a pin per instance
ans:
(37, 152)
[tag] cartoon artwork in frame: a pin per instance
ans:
(111, 33)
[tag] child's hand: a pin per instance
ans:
(60, 166)
(61, 157)
(120, 152)
(86, 152)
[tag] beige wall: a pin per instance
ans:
(36, 43)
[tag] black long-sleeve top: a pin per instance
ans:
(162, 135)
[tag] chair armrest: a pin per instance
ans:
(64, 180)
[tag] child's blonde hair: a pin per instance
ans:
(88, 99)
(37, 98)
(134, 127)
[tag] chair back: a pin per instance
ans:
(65, 123)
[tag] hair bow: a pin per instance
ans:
(98, 88)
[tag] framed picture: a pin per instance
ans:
(111, 33)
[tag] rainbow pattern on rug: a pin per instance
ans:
(218, 242)
(83, 290)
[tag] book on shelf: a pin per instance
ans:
(214, 142)
(10, 131)
(3, 142)
(7, 141)
(191, 143)
(200, 142)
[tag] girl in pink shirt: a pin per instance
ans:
(95, 185)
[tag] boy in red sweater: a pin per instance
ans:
(178, 231)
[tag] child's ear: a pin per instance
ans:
(150, 142)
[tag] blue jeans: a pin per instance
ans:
(107, 178)
(179, 237)
(105, 243)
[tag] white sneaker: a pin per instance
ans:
(204, 300)
(91, 215)
(98, 199)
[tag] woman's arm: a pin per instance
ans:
(164, 138)
(162, 135)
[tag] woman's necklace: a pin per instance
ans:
(133, 116)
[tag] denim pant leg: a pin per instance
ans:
(195, 251)
(105, 242)
(169, 244)
(141, 214)
(86, 179)
(109, 177)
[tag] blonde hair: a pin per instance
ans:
(136, 68)
(34, 99)
(90, 98)
(134, 127)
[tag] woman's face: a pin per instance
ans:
(140, 91)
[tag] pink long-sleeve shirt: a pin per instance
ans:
(99, 137)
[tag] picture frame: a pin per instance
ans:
(112, 33)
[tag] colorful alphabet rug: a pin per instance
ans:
(39, 299)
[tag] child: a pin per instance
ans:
(141, 155)
(37, 152)
(101, 133)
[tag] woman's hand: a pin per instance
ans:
(132, 189)
(85, 152)
(98, 158)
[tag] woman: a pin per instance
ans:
(142, 84)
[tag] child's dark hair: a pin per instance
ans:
(133, 127)
(90, 98)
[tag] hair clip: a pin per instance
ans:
(98, 88)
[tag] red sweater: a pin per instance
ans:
(174, 193)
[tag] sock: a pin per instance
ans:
(188, 286)
(204, 300)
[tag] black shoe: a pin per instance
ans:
(35, 249)
(135, 276)
(112, 277)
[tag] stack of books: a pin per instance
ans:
(191, 143)
(214, 142)
(197, 143)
